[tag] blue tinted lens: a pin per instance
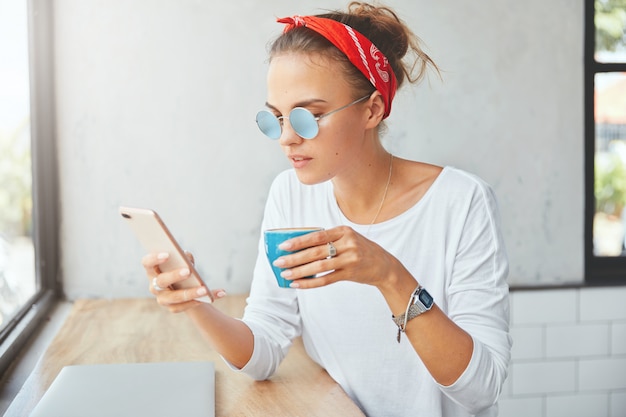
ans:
(304, 123)
(268, 124)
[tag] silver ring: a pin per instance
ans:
(332, 251)
(155, 285)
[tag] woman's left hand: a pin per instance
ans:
(356, 259)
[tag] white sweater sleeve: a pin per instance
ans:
(271, 312)
(478, 302)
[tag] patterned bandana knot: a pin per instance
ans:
(361, 52)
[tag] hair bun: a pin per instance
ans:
(382, 26)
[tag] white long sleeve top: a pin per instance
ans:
(450, 242)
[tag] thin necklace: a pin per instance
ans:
(382, 202)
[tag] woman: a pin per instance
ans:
(413, 318)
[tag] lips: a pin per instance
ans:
(299, 161)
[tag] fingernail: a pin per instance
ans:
(220, 294)
(201, 291)
(184, 272)
(286, 245)
(280, 262)
(294, 285)
(286, 273)
(163, 255)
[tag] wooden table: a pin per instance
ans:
(138, 330)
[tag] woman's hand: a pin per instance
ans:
(161, 284)
(357, 259)
(229, 336)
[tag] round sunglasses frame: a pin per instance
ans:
(302, 121)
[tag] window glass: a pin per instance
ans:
(610, 25)
(18, 281)
(610, 164)
(609, 116)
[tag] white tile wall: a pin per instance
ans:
(545, 377)
(574, 340)
(540, 307)
(602, 304)
(528, 342)
(521, 407)
(569, 354)
(618, 339)
(578, 405)
(602, 374)
(617, 404)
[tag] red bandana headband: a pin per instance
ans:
(361, 52)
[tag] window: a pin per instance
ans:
(17, 255)
(605, 141)
(28, 249)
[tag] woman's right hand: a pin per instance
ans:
(176, 300)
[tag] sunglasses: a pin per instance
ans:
(303, 122)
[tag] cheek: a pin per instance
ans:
(340, 144)
(334, 161)
(351, 131)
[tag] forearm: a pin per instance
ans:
(444, 348)
(230, 337)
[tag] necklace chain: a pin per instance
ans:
(382, 202)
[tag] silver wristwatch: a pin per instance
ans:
(421, 302)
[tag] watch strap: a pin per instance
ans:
(414, 309)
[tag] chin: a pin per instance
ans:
(308, 179)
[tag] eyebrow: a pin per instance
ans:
(303, 103)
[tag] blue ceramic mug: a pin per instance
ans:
(273, 238)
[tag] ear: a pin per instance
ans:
(376, 107)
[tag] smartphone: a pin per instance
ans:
(155, 237)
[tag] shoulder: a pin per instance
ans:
(442, 188)
(462, 191)
(470, 194)
(418, 179)
(456, 178)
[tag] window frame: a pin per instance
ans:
(598, 270)
(45, 184)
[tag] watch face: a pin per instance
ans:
(425, 299)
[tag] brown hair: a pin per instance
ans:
(379, 24)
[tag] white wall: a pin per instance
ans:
(569, 354)
(156, 102)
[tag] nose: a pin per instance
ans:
(288, 136)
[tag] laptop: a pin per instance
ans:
(124, 390)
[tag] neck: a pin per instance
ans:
(361, 196)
